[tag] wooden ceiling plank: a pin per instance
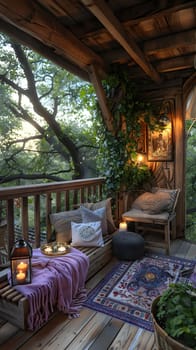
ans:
(176, 63)
(134, 15)
(59, 9)
(44, 27)
(101, 10)
(106, 113)
(171, 41)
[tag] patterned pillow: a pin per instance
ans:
(107, 204)
(96, 215)
(153, 203)
(62, 224)
(87, 234)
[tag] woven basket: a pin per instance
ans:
(162, 339)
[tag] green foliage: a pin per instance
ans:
(117, 158)
(115, 165)
(176, 313)
(58, 142)
(191, 180)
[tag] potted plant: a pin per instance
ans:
(174, 318)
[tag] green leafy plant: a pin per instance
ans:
(117, 158)
(176, 313)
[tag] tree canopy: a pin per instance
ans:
(60, 142)
(191, 180)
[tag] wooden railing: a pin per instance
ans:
(42, 200)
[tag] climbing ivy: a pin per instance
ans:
(117, 158)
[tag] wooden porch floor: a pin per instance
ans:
(92, 330)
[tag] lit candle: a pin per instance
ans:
(123, 226)
(22, 266)
(48, 249)
(20, 276)
(61, 249)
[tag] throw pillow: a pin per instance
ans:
(87, 235)
(62, 224)
(96, 215)
(107, 204)
(152, 203)
(173, 194)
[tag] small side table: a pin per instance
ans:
(127, 245)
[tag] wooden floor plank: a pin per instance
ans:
(143, 340)
(60, 329)
(92, 330)
(182, 248)
(191, 252)
(7, 331)
(124, 338)
(106, 337)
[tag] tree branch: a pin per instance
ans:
(53, 177)
(16, 87)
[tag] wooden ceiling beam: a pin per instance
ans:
(106, 113)
(27, 40)
(41, 25)
(101, 10)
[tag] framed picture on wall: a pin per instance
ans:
(160, 145)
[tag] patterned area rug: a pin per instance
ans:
(128, 290)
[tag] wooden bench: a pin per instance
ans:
(14, 305)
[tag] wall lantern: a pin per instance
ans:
(20, 259)
(140, 159)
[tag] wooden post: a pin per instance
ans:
(179, 129)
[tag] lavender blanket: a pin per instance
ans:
(57, 282)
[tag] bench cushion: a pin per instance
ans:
(140, 214)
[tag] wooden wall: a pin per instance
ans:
(172, 174)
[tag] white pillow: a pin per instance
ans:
(87, 234)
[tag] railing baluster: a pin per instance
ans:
(66, 200)
(25, 221)
(48, 212)
(82, 195)
(74, 192)
(58, 201)
(10, 224)
(37, 220)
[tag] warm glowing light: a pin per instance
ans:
(21, 276)
(123, 226)
(48, 249)
(22, 266)
(140, 159)
(61, 249)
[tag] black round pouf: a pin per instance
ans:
(127, 245)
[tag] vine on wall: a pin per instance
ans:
(118, 150)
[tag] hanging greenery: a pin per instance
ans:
(118, 150)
